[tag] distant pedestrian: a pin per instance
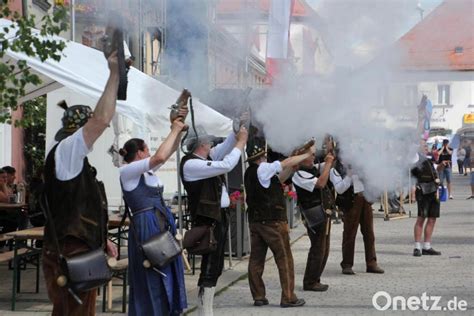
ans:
(461, 153)
(467, 159)
(427, 200)
(434, 153)
(472, 186)
(445, 165)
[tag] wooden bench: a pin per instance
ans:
(23, 252)
(9, 255)
(4, 237)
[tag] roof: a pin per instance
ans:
(300, 7)
(444, 40)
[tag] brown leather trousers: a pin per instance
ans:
(360, 213)
(318, 254)
(273, 235)
(63, 302)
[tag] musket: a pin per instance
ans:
(237, 123)
(113, 41)
(304, 148)
(180, 103)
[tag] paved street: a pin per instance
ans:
(450, 275)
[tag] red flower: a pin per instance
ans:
(292, 195)
(235, 197)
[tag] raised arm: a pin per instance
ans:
(288, 164)
(323, 178)
(105, 109)
(169, 146)
(197, 169)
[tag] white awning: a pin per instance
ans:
(84, 70)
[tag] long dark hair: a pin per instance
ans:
(130, 149)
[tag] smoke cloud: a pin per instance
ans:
(376, 135)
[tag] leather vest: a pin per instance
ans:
(78, 206)
(308, 199)
(264, 204)
(204, 196)
(345, 200)
(424, 171)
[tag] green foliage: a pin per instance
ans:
(34, 124)
(19, 37)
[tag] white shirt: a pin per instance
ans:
(266, 171)
(69, 156)
(342, 184)
(130, 174)
(306, 180)
(224, 158)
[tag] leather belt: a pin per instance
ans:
(143, 210)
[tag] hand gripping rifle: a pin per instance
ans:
(180, 103)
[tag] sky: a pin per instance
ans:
(427, 5)
(358, 30)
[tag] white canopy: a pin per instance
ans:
(81, 75)
(84, 70)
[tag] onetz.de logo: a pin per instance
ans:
(383, 301)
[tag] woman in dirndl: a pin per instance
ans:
(151, 292)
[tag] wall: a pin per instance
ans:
(461, 97)
(5, 145)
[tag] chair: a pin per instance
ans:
(118, 271)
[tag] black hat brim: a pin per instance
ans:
(62, 134)
(254, 157)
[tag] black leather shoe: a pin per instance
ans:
(260, 302)
(375, 269)
(318, 287)
(430, 252)
(299, 302)
(416, 252)
(348, 271)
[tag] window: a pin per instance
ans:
(444, 94)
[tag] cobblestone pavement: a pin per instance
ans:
(449, 275)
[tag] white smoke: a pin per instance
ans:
(376, 136)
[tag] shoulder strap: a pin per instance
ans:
(312, 176)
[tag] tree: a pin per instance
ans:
(15, 74)
(34, 118)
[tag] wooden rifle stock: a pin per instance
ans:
(181, 102)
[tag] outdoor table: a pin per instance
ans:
(12, 206)
(9, 208)
(115, 221)
(10, 211)
(32, 233)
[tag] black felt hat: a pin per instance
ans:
(74, 117)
